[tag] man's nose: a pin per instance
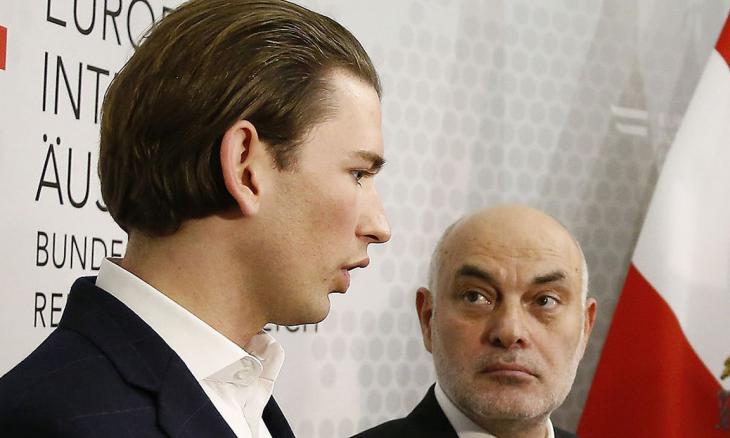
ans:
(507, 326)
(373, 223)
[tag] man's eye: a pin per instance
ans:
(359, 175)
(547, 301)
(475, 297)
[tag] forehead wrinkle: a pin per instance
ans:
(506, 251)
(473, 271)
(552, 277)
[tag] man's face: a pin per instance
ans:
(326, 211)
(507, 325)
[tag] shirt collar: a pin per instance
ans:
(207, 353)
(463, 425)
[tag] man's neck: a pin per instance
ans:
(193, 271)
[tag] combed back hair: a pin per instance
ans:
(437, 256)
(207, 65)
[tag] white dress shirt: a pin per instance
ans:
(239, 382)
(464, 427)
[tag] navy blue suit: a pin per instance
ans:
(427, 420)
(105, 373)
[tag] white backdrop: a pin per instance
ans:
(567, 105)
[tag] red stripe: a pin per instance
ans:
(723, 43)
(3, 46)
(650, 382)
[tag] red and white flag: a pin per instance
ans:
(3, 46)
(665, 366)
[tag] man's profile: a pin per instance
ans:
(506, 317)
(238, 149)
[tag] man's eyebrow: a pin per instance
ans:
(473, 271)
(549, 278)
(376, 160)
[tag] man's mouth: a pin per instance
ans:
(362, 263)
(347, 268)
(509, 371)
(346, 274)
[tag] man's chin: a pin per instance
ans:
(508, 410)
(319, 314)
(313, 313)
(505, 402)
(319, 317)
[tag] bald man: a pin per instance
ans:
(506, 318)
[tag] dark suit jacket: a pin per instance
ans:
(105, 373)
(427, 420)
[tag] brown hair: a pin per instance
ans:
(205, 66)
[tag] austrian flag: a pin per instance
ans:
(3, 46)
(665, 366)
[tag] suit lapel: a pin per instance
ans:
(428, 419)
(184, 410)
(559, 433)
(275, 421)
(143, 360)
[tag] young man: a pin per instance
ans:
(238, 149)
(506, 318)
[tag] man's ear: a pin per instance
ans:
(424, 307)
(589, 318)
(241, 162)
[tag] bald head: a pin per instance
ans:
(506, 228)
